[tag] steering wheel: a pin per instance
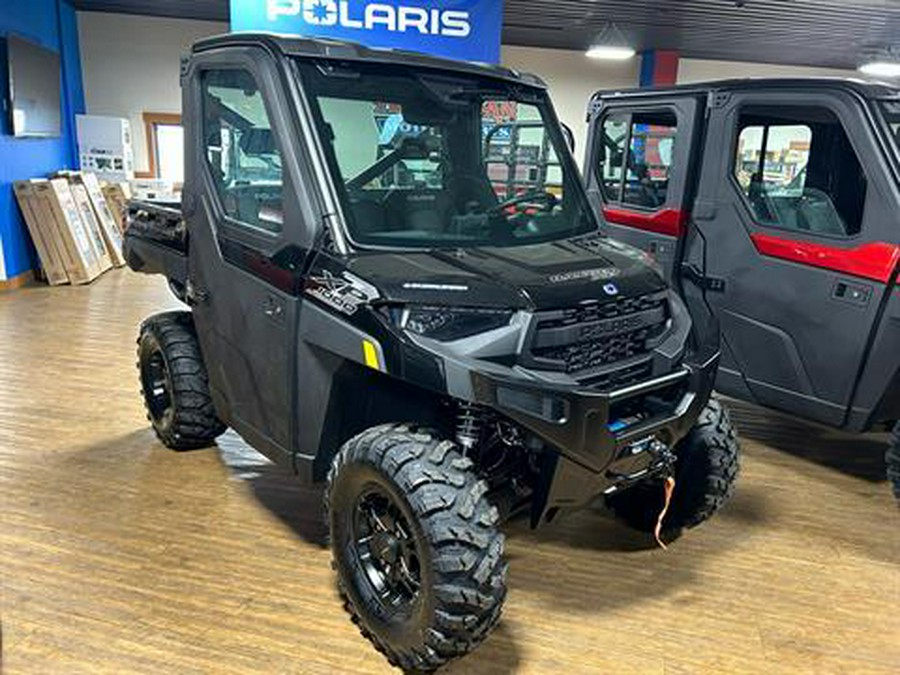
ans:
(536, 195)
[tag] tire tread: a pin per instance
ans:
(195, 424)
(460, 528)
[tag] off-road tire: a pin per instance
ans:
(892, 459)
(707, 466)
(463, 574)
(170, 342)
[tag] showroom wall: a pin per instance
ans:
(572, 79)
(131, 65)
(698, 70)
(52, 24)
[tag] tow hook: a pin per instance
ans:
(666, 456)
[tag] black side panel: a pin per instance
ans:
(877, 398)
(151, 257)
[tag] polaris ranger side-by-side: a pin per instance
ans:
(397, 286)
(774, 208)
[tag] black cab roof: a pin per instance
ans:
(862, 88)
(321, 48)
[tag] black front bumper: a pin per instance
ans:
(604, 439)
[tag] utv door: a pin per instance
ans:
(638, 168)
(247, 241)
(796, 217)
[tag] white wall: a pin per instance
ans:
(131, 65)
(698, 70)
(573, 79)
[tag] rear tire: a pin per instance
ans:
(436, 593)
(174, 383)
(706, 468)
(892, 459)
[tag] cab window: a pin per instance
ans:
(517, 152)
(241, 151)
(798, 171)
(635, 159)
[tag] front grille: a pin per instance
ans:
(592, 337)
(618, 378)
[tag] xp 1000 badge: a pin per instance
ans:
(345, 293)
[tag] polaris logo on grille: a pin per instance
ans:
(614, 326)
(374, 15)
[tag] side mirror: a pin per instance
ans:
(570, 136)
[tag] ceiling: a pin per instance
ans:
(828, 33)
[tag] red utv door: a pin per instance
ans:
(639, 166)
(796, 244)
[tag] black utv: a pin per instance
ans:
(772, 206)
(397, 286)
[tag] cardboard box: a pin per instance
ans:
(42, 233)
(156, 190)
(41, 203)
(109, 228)
(105, 146)
(57, 204)
(91, 225)
(117, 200)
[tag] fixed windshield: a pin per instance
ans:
(427, 160)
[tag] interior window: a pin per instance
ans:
(357, 154)
(650, 159)
(518, 154)
(241, 150)
(799, 172)
(643, 147)
(614, 136)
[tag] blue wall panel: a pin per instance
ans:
(51, 23)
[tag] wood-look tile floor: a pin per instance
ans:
(118, 556)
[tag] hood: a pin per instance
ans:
(536, 277)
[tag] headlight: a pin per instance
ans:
(449, 323)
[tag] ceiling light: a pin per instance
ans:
(610, 44)
(881, 68)
(610, 52)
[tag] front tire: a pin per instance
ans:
(892, 459)
(174, 383)
(706, 468)
(415, 544)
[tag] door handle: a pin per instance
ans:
(273, 308)
(706, 283)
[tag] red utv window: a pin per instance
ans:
(636, 159)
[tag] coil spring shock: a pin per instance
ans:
(469, 426)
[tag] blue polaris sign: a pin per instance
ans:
(468, 30)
